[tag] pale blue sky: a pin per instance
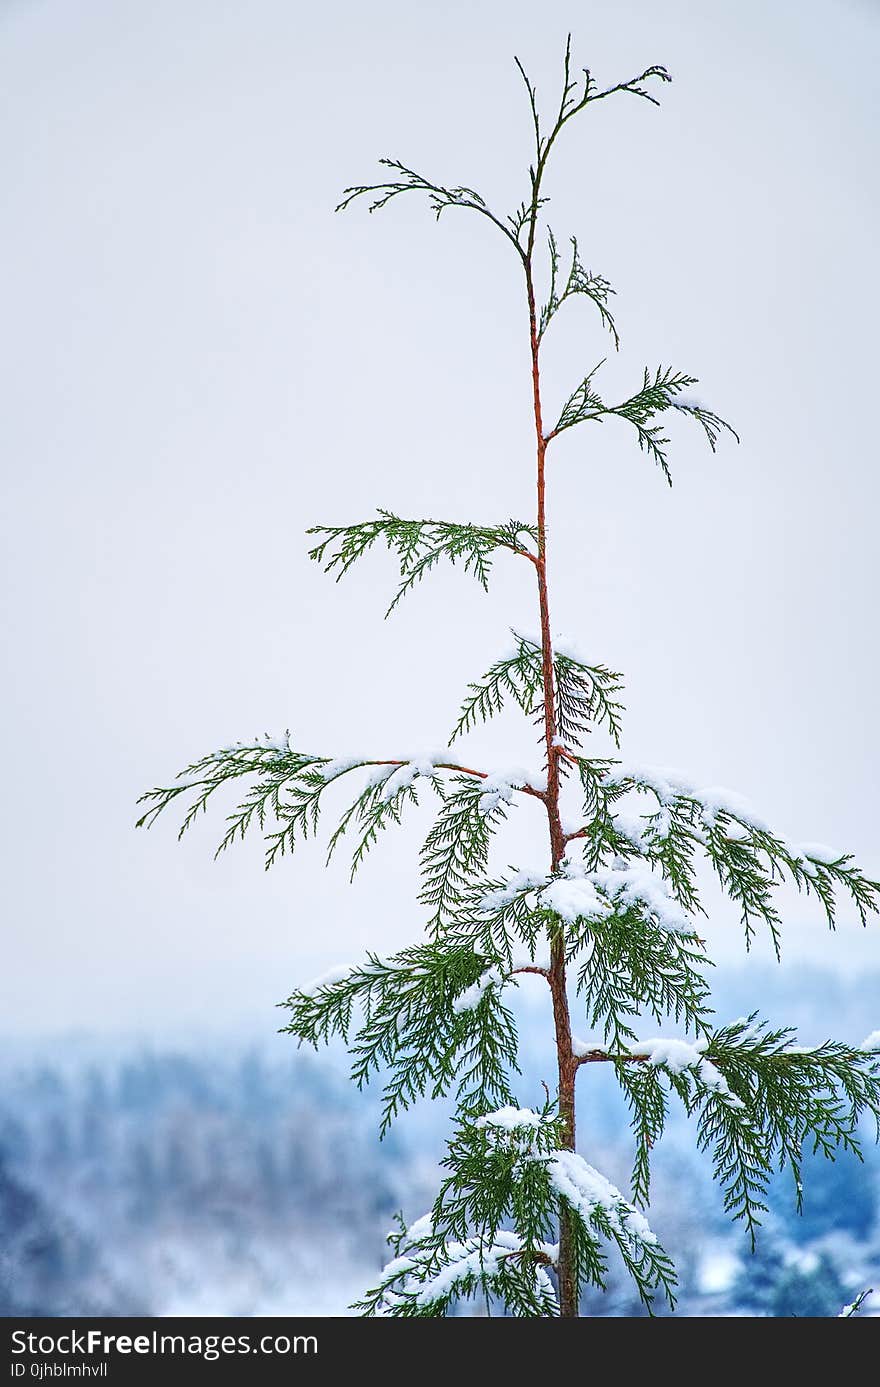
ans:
(200, 360)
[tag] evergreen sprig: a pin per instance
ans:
(759, 1100)
(633, 967)
(286, 798)
(656, 396)
(439, 198)
(585, 695)
(429, 1275)
(419, 546)
(517, 675)
(578, 281)
(456, 849)
(489, 1226)
(501, 919)
(748, 858)
(411, 1018)
(274, 764)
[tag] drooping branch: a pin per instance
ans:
(439, 198)
(287, 789)
(659, 393)
(420, 545)
(581, 282)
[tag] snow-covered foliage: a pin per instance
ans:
(508, 1176)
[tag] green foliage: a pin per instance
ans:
(420, 1020)
(585, 695)
(576, 96)
(286, 798)
(519, 228)
(433, 1019)
(578, 281)
(501, 919)
(419, 546)
(750, 861)
(632, 966)
(517, 676)
(509, 1168)
(585, 698)
(456, 849)
(429, 1275)
(656, 397)
(439, 198)
(758, 1099)
(272, 765)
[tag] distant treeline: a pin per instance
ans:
(240, 1182)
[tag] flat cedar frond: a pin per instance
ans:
(275, 763)
(656, 397)
(585, 698)
(684, 823)
(501, 919)
(759, 1099)
(456, 850)
(419, 546)
(635, 967)
(773, 1098)
(488, 1230)
(584, 694)
(286, 799)
(428, 1019)
(609, 924)
(516, 675)
(578, 281)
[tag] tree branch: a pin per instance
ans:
(461, 770)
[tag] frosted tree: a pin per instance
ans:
(611, 925)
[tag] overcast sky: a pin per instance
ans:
(199, 360)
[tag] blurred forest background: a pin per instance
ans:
(227, 1178)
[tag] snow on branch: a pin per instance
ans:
(855, 1306)
(429, 1020)
(592, 1194)
(285, 797)
(428, 1275)
(491, 1226)
(749, 859)
(611, 926)
(757, 1097)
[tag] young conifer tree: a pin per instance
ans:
(611, 925)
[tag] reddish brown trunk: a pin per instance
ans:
(566, 1065)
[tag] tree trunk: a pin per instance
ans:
(566, 1066)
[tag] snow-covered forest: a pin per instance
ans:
(241, 1180)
